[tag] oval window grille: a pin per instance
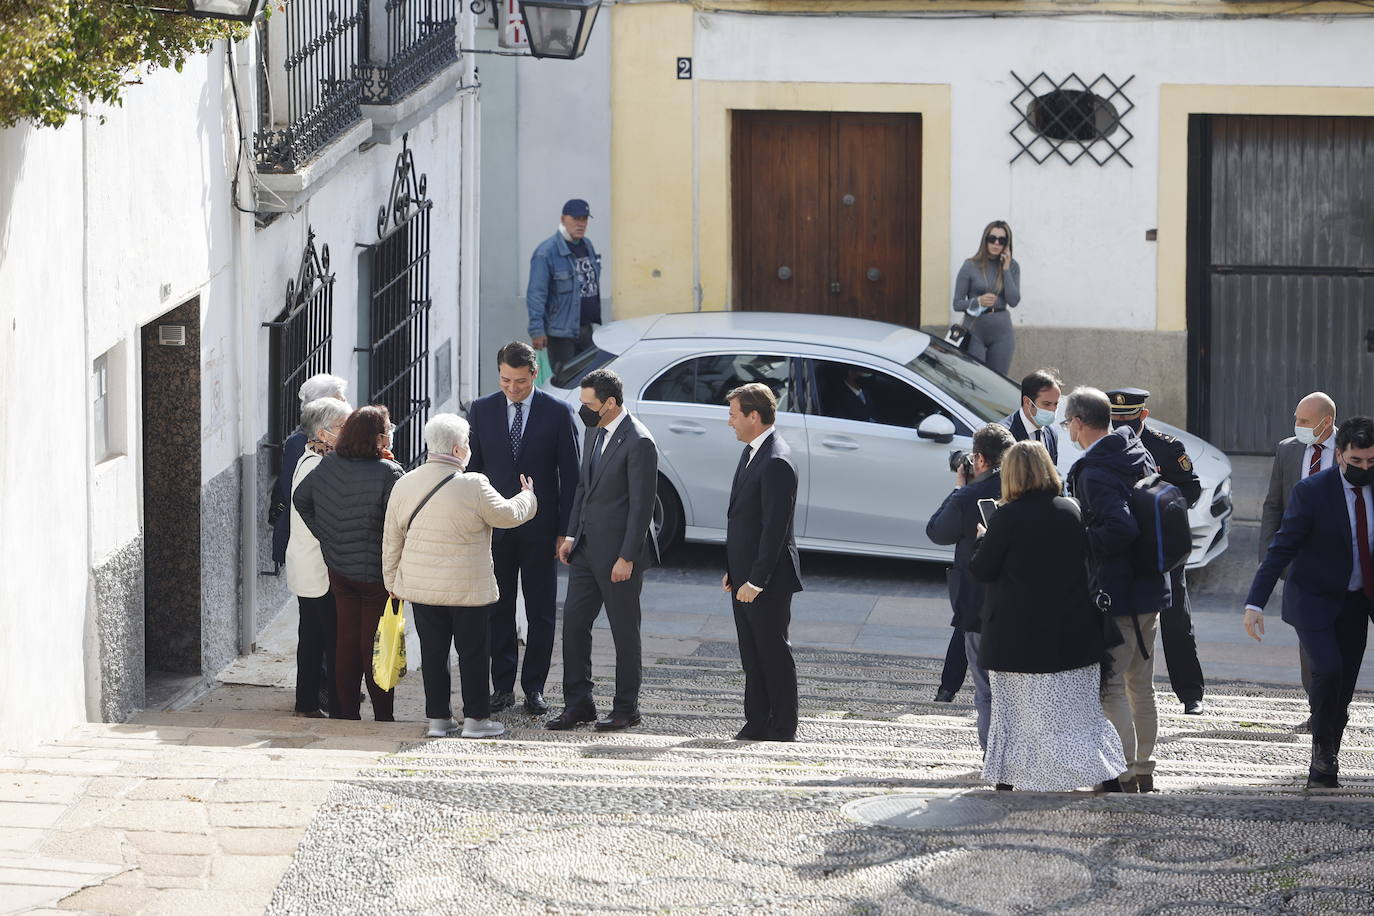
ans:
(1072, 114)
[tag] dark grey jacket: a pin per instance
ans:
(956, 522)
(343, 503)
(613, 510)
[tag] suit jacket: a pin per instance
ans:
(759, 546)
(613, 509)
(1019, 432)
(1286, 471)
(1039, 616)
(1314, 538)
(956, 522)
(548, 454)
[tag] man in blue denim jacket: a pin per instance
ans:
(564, 294)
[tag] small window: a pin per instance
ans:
(845, 391)
(107, 404)
(1072, 114)
(708, 379)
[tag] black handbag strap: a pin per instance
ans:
(428, 496)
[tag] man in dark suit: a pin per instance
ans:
(956, 522)
(522, 431)
(1035, 420)
(762, 571)
(1325, 542)
(1308, 451)
(1175, 621)
(609, 546)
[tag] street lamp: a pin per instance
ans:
(559, 28)
(233, 10)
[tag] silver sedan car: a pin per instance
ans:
(872, 412)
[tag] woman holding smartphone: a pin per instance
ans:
(988, 284)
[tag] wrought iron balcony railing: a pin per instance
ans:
(407, 42)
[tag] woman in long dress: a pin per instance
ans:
(1042, 640)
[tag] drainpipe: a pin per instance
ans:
(469, 252)
(246, 344)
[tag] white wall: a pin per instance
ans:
(1080, 230)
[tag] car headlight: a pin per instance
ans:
(1223, 489)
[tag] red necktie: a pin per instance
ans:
(1316, 464)
(1362, 537)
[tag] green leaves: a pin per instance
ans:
(55, 53)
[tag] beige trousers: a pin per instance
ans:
(1128, 697)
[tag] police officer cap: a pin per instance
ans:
(577, 209)
(1126, 402)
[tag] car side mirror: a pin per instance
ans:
(937, 427)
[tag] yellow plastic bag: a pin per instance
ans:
(389, 646)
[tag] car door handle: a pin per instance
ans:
(689, 428)
(847, 445)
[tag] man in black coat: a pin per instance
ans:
(1035, 420)
(762, 570)
(516, 431)
(1101, 480)
(610, 544)
(1175, 621)
(956, 522)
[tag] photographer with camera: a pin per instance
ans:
(956, 522)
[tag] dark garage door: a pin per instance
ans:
(1281, 272)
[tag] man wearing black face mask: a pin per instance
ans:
(610, 544)
(1175, 621)
(1325, 542)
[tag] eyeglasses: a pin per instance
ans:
(996, 239)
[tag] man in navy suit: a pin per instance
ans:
(520, 430)
(1035, 419)
(762, 571)
(1324, 541)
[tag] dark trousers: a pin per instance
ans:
(770, 674)
(588, 589)
(464, 628)
(359, 606)
(956, 663)
(526, 556)
(1334, 654)
(1180, 645)
(563, 349)
(315, 649)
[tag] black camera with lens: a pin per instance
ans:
(961, 459)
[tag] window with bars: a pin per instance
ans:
(301, 338)
(1071, 118)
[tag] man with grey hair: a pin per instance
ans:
(1113, 461)
(322, 385)
(308, 577)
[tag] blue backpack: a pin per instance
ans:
(1166, 537)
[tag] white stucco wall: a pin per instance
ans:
(1080, 230)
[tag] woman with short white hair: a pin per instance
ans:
(319, 386)
(436, 554)
(306, 574)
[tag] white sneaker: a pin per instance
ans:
(482, 728)
(442, 728)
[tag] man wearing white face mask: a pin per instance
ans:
(1035, 420)
(1308, 451)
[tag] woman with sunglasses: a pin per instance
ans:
(988, 284)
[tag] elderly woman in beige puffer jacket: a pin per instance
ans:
(436, 554)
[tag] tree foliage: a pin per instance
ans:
(56, 53)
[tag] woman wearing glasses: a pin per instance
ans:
(343, 502)
(988, 284)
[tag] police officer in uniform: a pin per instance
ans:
(1175, 623)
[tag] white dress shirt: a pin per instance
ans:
(1356, 579)
(1328, 455)
(611, 428)
(1032, 430)
(756, 443)
(525, 414)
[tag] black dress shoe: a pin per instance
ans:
(944, 696)
(1003, 787)
(535, 704)
(1193, 707)
(1304, 727)
(749, 733)
(502, 699)
(1325, 768)
(1108, 785)
(781, 736)
(570, 718)
(616, 721)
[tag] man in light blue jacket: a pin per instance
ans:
(564, 294)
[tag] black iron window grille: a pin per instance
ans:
(321, 82)
(1072, 118)
(300, 337)
(399, 309)
(405, 42)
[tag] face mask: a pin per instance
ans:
(1357, 477)
(1043, 417)
(1305, 434)
(589, 417)
(1133, 426)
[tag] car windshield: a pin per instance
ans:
(580, 365)
(988, 395)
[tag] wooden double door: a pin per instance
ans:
(827, 216)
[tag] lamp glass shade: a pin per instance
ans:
(233, 10)
(559, 28)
